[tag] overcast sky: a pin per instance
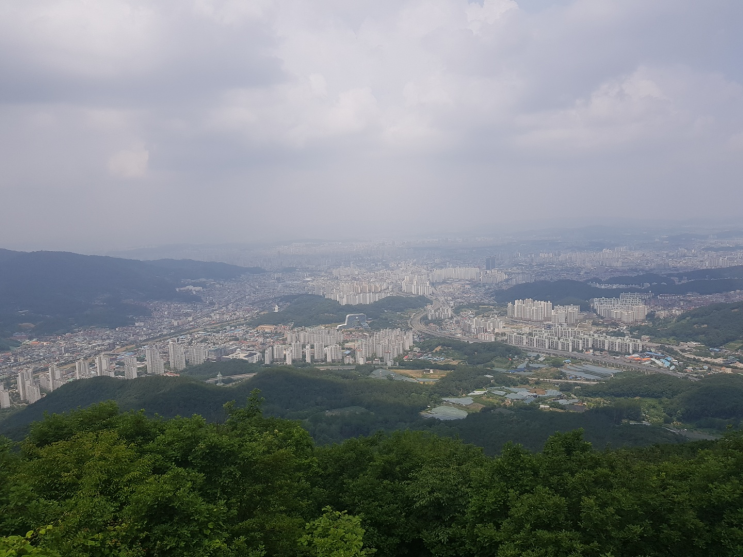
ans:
(131, 123)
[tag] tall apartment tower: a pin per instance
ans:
(196, 354)
(288, 355)
(4, 397)
(130, 367)
(81, 369)
(53, 377)
(296, 348)
(155, 365)
(28, 390)
(268, 356)
(177, 356)
(102, 363)
(33, 393)
(22, 385)
(308, 354)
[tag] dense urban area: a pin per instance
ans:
(453, 289)
(441, 397)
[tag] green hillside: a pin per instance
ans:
(100, 482)
(577, 292)
(333, 406)
(57, 291)
(309, 310)
(735, 272)
(715, 402)
(713, 325)
(473, 353)
(557, 291)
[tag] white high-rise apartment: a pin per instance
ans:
(268, 356)
(4, 397)
(196, 354)
(102, 363)
(296, 350)
(28, 390)
(33, 393)
(53, 377)
(628, 308)
(81, 369)
(177, 356)
(565, 315)
(530, 310)
(22, 384)
(456, 273)
(155, 364)
(130, 367)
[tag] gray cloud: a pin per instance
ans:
(133, 122)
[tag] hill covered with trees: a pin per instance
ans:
(308, 310)
(100, 482)
(713, 325)
(56, 291)
(337, 405)
(567, 291)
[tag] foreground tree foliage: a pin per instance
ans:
(101, 482)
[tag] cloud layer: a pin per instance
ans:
(131, 122)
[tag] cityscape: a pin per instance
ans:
(441, 278)
(218, 326)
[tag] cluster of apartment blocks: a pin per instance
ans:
(484, 328)
(568, 339)
(359, 292)
(320, 344)
(468, 273)
(355, 299)
(367, 292)
(386, 345)
(536, 310)
(628, 308)
(179, 356)
(315, 343)
(30, 387)
(441, 312)
(417, 285)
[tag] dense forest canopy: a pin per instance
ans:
(100, 482)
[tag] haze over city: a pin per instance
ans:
(131, 123)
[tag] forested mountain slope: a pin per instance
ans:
(55, 291)
(334, 406)
(98, 482)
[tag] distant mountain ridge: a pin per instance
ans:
(6, 254)
(55, 291)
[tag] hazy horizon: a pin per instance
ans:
(569, 236)
(131, 124)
